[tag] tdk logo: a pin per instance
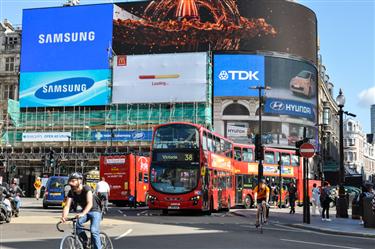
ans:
(238, 75)
(277, 105)
(64, 88)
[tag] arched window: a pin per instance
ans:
(236, 109)
(350, 126)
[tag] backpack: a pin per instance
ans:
(324, 197)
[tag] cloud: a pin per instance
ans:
(367, 97)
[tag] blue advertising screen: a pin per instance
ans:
(66, 38)
(290, 107)
(66, 88)
(123, 136)
(234, 74)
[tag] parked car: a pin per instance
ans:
(303, 83)
(54, 194)
(350, 190)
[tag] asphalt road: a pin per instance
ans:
(141, 228)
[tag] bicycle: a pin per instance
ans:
(262, 217)
(72, 241)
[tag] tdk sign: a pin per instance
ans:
(64, 88)
(240, 75)
(289, 107)
(234, 74)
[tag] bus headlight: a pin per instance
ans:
(195, 199)
(152, 198)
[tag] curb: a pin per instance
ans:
(330, 231)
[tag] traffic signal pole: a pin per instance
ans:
(260, 165)
(306, 200)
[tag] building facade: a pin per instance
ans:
(359, 155)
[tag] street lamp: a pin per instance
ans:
(325, 121)
(260, 146)
(342, 205)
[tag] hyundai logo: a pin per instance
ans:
(277, 105)
(64, 88)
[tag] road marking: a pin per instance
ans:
(319, 244)
(120, 211)
(124, 234)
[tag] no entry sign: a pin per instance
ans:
(307, 150)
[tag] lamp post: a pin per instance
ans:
(342, 205)
(323, 125)
(260, 146)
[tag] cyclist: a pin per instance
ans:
(91, 210)
(261, 197)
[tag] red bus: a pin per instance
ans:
(127, 176)
(191, 169)
(246, 172)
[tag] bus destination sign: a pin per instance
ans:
(175, 156)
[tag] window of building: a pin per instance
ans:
(9, 64)
(236, 109)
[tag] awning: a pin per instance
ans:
(330, 166)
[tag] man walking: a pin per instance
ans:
(292, 198)
(315, 200)
(37, 186)
(103, 191)
(325, 200)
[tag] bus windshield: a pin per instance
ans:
(174, 179)
(177, 136)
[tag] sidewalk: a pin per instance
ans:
(337, 226)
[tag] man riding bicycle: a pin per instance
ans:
(261, 197)
(91, 211)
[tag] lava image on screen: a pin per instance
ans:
(163, 26)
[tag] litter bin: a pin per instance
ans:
(368, 214)
(356, 211)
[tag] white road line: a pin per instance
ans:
(120, 211)
(124, 234)
(125, 215)
(319, 244)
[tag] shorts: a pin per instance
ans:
(259, 201)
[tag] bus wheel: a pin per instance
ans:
(248, 202)
(165, 211)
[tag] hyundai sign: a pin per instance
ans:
(64, 56)
(234, 74)
(64, 39)
(67, 88)
(290, 107)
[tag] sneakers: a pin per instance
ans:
(323, 219)
(328, 220)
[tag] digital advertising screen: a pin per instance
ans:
(164, 26)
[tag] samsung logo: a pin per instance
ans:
(67, 37)
(64, 88)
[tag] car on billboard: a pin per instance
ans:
(303, 83)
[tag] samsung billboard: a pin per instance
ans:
(65, 56)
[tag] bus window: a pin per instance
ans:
(176, 136)
(145, 178)
(269, 157)
(222, 146)
(214, 146)
(295, 160)
(217, 144)
(285, 159)
(237, 154)
(248, 181)
(204, 141)
(228, 149)
(210, 142)
(140, 177)
(247, 154)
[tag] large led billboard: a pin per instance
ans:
(233, 75)
(160, 78)
(164, 26)
(290, 105)
(65, 56)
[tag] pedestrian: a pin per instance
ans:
(38, 187)
(325, 200)
(292, 191)
(367, 191)
(103, 191)
(315, 200)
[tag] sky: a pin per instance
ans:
(347, 44)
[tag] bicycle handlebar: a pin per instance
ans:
(59, 223)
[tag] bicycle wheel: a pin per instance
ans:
(261, 220)
(106, 241)
(70, 242)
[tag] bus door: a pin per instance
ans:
(239, 188)
(206, 185)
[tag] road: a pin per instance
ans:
(145, 229)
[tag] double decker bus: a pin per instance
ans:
(246, 172)
(127, 176)
(191, 169)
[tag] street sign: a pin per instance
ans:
(307, 150)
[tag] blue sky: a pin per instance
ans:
(347, 42)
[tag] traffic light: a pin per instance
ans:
(259, 149)
(51, 159)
